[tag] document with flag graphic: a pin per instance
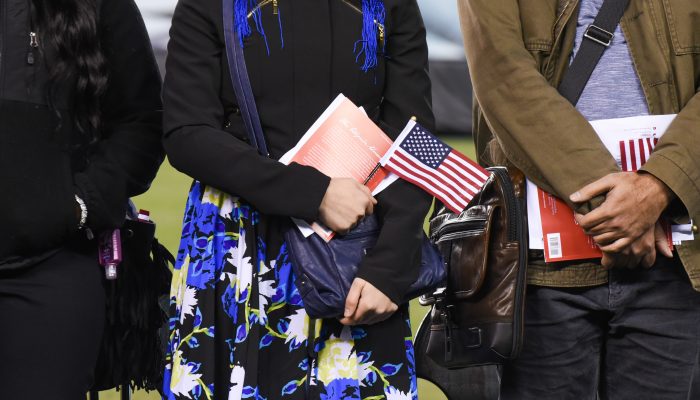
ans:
(551, 222)
(421, 158)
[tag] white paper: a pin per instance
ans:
(534, 220)
(611, 132)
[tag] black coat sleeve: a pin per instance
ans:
(126, 159)
(392, 265)
(195, 140)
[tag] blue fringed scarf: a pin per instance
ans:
(373, 16)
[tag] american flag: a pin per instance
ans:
(635, 152)
(424, 160)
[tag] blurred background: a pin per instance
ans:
(451, 103)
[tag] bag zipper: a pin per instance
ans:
(516, 231)
(354, 235)
(459, 235)
(512, 203)
(472, 226)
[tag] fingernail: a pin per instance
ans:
(575, 197)
(347, 313)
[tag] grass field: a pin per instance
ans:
(166, 200)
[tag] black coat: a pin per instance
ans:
(205, 135)
(41, 168)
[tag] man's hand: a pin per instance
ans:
(366, 305)
(641, 252)
(624, 225)
(345, 203)
(633, 204)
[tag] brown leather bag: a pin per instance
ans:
(478, 318)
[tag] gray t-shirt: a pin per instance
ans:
(614, 90)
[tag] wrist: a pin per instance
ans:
(661, 193)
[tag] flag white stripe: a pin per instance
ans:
(437, 187)
(461, 179)
(394, 163)
(440, 172)
(465, 198)
(475, 170)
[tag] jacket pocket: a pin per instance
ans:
(683, 18)
(539, 19)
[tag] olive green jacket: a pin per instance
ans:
(517, 53)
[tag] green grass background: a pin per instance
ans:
(166, 201)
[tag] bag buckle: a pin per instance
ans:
(599, 35)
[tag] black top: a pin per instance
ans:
(205, 136)
(41, 168)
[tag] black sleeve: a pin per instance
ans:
(194, 116)
(392, 266)
(127, 157)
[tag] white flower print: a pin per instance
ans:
(266, 289)
(298, 328)
(182, 380)
(237, 381)
(393, 393)
(189, 301)
(185, 296)
(243, 265)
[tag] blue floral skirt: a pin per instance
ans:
(238, 329)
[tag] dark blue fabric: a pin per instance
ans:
(635, 338)
(325, 271)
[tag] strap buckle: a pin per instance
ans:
(599, 35)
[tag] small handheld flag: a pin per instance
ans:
(426, 161)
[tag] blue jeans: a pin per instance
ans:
(635, 338)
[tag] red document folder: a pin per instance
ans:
(564, 239)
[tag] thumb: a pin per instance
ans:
(601, 186)
(353, 297)
(661, 239)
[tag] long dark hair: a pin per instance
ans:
(69, 29)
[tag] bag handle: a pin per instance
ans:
(597, 38)
(241, 82)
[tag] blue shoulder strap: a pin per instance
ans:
(241, 82)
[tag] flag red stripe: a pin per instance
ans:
(470, 179)
(477, 169)
(451, 189)
(399, 170)
(428, 182)
(456, 174)
(454, 189)
(623, 156)
(642, 153)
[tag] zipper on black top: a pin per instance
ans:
(3, 39)
(33, 40)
